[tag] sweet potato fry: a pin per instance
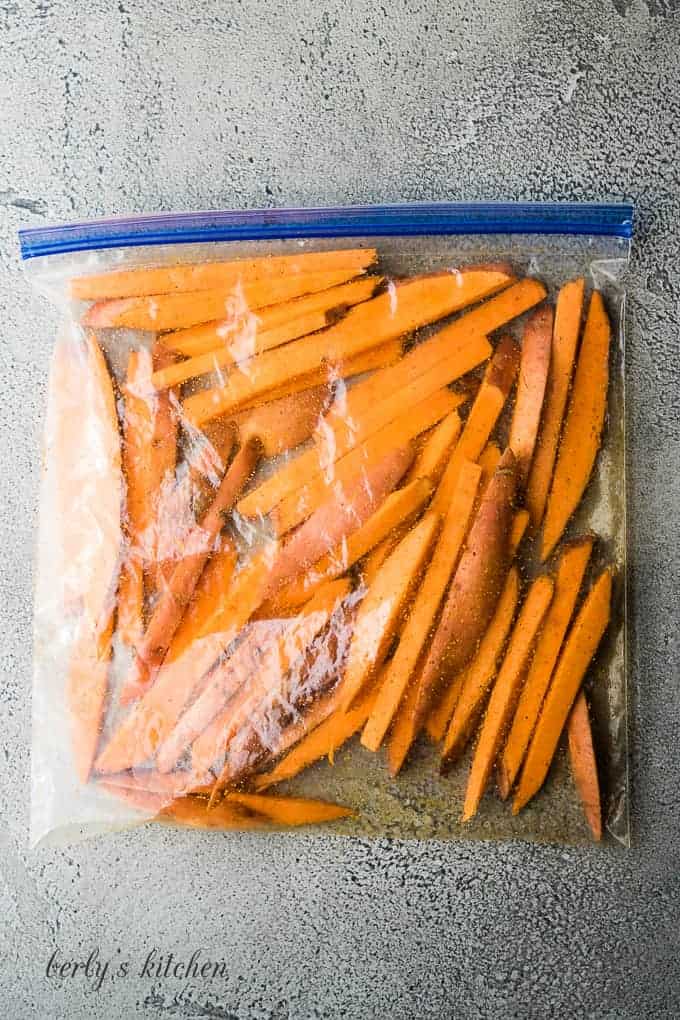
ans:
(429, 463)
(398, 509)
(438, 719)
(144, 282)
(435, 453)
(211, 591)
(138, 430)
(94, 483)
(424, 612)
(564, 341)
(584, 764)
(343, 514)
(160, 312)
(290, 810)
(86, 689)
(488, 404)
(388, 316)
(474, 591)
(163, 461)
(208, 452)
(245, 333)
(570, 573)
(153, 647)
(583, 425)
(198, 813)
(579, 648)
(533, 376)
(101, 478)
(260, 661)
(441, 713)
(505, 691)
(381, 609)
(321, 742)
(283, 424)
(300, 504)
(400, 737)
(476, 678)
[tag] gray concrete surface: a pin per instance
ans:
(148, 106)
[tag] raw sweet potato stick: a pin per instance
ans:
(474, 590)
(283, 424)
(584, 764)
(434, 455)
(579, 648)
(440, 715)
(476, 678)
(163, 461)
(505, 691)
(198, 813)
(209, 596)
(383, 605)
(424, 612)
(429, 463)
(406, 719)
(97, 490)
(143, 282)
(484, 413)
(138, 429)
(570, 573)
(290, 810)
(564, 342)
(583, 425)
(488, 462)
(533, 376)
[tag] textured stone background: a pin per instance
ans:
(160, 105)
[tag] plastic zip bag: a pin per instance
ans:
(332, 524)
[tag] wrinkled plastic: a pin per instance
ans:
(265, 623)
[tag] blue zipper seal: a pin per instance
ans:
(437, 218)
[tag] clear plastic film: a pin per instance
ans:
(332, 524)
